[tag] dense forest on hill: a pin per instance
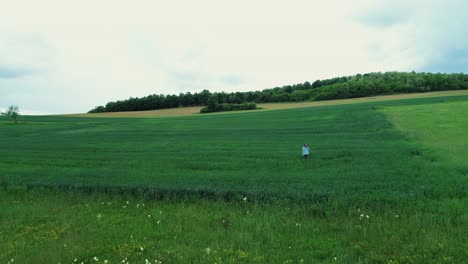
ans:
(359, 85)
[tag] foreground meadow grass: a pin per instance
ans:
(376, 189)
(52, 227)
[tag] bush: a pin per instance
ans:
(229, 107)
(213, 103)
(13, 113)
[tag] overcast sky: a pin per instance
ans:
(69, 56)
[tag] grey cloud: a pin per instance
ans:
(12, 73)
(430, 34)
(452, 61)
(189, 80)
(383, 18)
(200, 80)
(387, 13)
(232, 80)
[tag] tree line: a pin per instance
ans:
(359, 85)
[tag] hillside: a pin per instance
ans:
(360, 85)
(195, 110)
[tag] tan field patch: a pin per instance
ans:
(185, 111)
(181, 111)
(274, 106)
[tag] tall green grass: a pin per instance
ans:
(40, 226)
(355, 151)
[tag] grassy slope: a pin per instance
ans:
(443, 129)
(360, 161)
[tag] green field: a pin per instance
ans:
(386, 183)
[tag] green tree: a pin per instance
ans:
(98, 109)
(13, 113)
(213, 103)
(317, 84)
(234, 99)
(203, 97)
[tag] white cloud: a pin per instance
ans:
(85, 53)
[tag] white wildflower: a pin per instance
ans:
(95, 258)
(208, 250)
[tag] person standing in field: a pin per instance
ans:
(305, 150)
